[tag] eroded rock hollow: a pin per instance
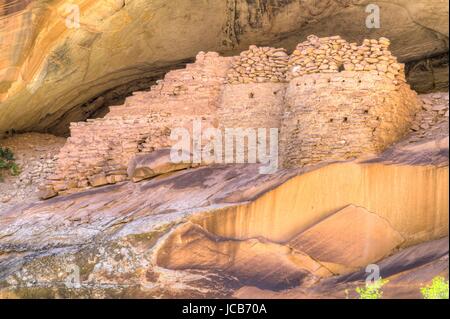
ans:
(55, 70)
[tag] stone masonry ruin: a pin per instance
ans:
(333, 54)
(99, 150)
(335, 116)
(328, 97)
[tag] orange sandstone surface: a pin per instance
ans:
(363, 180)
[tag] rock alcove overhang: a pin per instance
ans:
(51, 75)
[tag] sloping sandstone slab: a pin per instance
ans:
(349, 239)
(254, 261)
(156, 163)
(407, 271)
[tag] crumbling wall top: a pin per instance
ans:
(316, 55)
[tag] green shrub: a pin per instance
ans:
(438, 289)
(373, 290)
(7, 162)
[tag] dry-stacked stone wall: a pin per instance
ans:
(253, 105)
(334, 54)
(99, 150)
(259, 65)
(338, 116)
(434, 110)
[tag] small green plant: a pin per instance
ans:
(7, 162)
(373, 290)
(438, 289)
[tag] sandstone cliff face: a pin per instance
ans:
(49, 71)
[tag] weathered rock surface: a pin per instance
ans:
(407, 271)
(36, 156)
(49, 69)
(222, 231)
(253, 261)
(348, 240)
(145, 166)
